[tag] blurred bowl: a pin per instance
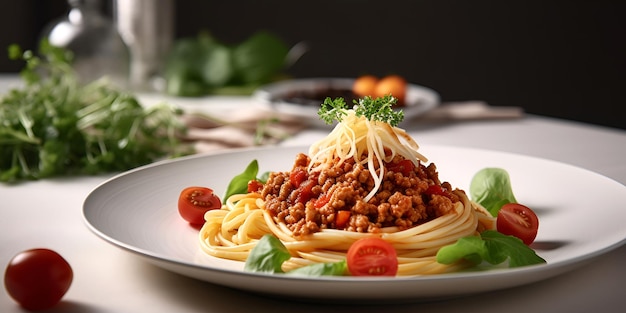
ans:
(301, 98)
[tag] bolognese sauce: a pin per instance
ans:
(307, 202)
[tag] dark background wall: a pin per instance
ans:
(554, 58)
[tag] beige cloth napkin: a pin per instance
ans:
(259, 126)
(243, 128)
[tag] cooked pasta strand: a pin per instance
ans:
(416, 246)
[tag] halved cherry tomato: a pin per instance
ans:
(38, 278)
(342, 218)
(195, 201)
(372, 257)
(518, 220)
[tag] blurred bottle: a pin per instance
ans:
(147, 27)
(98, 48)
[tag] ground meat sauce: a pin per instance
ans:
(307, 203)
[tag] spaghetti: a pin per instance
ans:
(355, 169)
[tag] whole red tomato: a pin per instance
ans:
(38, 278)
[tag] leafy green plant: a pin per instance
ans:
(204, 65)
(54, 126)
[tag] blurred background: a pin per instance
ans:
(561, 59)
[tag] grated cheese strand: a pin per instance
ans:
(356, 136)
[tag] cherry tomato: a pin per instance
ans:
(518, 220)
(392, 84)
(38, 278)
(372, 257)
(195, 201)
(365, 86)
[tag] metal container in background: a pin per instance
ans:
(147, 27)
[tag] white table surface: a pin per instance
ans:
(48, 213)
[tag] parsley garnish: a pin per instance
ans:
(374, 109)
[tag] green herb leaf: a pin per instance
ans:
(374, 109)
(491, 188)
(492, 247)
(501, 246)
(239, 183)
(379, 109)
(270, 253)
(471, 248)
(267, 256)
(54, 126)
(263, 178)
(204, 65)
(339, 268)
(332, 110)
(186, 63)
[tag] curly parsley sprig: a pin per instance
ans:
(374, 109)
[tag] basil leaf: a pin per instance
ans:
(471, 248)
(491, 188)
(501, 246)
(270, 253)
(267, 256)
(492, 247)
(263, 178)
(239, 183)
(322, 269)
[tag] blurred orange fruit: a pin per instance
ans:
(391, 84)
(365, 86)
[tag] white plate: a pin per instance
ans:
(419, 99)
(581, 216)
